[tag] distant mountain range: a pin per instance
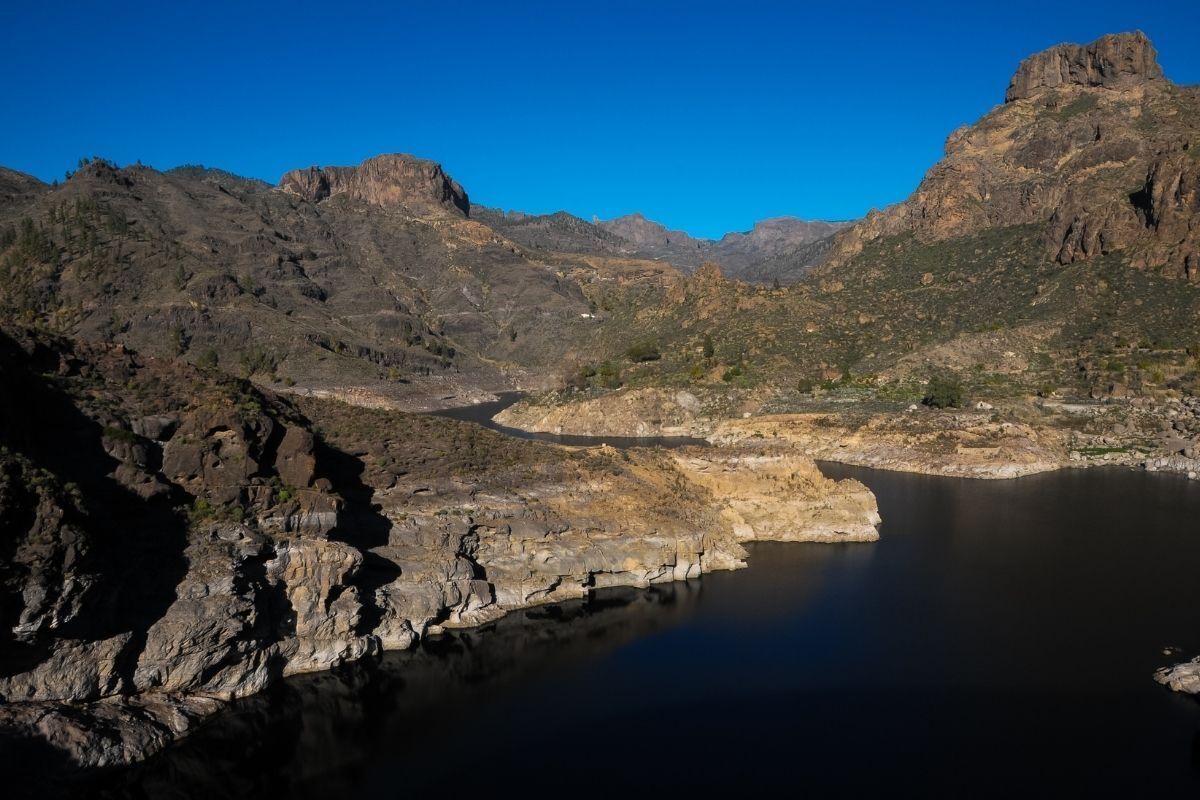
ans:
(781, 249)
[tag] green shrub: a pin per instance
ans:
(943, 391)
(208, 360)
(258, 360)
(608, 375)
(643, 351)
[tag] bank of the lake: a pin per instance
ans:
(999, 638)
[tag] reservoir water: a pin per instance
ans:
(482, 413)
(998, 640)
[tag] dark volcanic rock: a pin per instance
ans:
(1115, 61)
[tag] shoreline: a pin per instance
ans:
(636, 520)
(986, 443)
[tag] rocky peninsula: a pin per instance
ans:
(203, 537)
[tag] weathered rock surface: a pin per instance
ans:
(1116, 61)
(773, 493)
(628, 412)
(395, 180)
(202, 538)
(1081, 127)
(1183, 677)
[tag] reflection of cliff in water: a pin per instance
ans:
(314, 735)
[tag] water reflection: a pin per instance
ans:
(313, 736)
(998, 639)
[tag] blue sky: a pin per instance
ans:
(706, 116)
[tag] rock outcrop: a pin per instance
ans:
(1116, 61)
(1183, 677)
(417, 186)
(966, 443)
(1081, 126)
(179, 538)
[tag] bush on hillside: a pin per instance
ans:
(943, 391)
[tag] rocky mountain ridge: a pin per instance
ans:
(1092, 143)
(778, 249)
(377, 280)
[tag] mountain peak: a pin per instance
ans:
(1115, 61)
(393, 180)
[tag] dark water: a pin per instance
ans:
(482, 413)
(999, 640)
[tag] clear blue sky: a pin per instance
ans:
(706, 116)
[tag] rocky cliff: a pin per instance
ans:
(1116, 61)
(1092, 143)
(175, 538)
(395, 180)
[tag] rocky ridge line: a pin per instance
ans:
(394, 180)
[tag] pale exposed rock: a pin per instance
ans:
(1183, 677)
(773, 493)
(633, 413)
(75, 670)
(248, 614)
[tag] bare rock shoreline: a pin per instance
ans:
(325, 533)
(965, 443)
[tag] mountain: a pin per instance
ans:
(561, 232)
(1092, 144)
(367, 278)
(1054, 248)
(419, 187)
(780, 249)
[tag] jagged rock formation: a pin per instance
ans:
(394, 180)
(155, 543)
(1116, 61)
(1082, 126)
(176, 538)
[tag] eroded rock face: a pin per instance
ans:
(203, 538)
(774, 493)
(1114, 61)
(1093, 145)
(160, 540)
(417, 186)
